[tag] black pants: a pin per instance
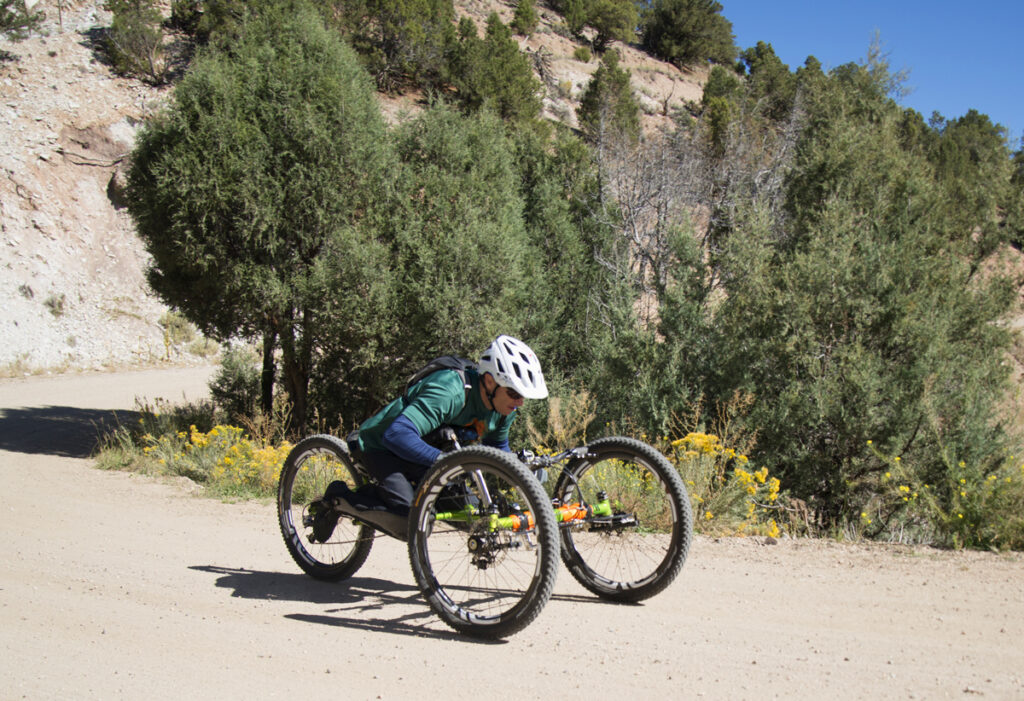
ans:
(396, 479)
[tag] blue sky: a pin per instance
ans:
(960, 55)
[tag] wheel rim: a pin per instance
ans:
(314, 470)
(617, 554)
(478, 575)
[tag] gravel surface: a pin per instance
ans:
(120, 586)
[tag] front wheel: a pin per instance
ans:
(638, 544)
(483, 542)
(311, 465)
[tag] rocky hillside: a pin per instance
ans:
(73, 292)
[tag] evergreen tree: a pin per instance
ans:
(608, 111)
(570, 290)
(721, 92)
(492, 73)
(1015, 208)
(770, 84)
(404, 43)
(525, 19)
(721, 82)
(613, 20)
(16, 20)
(975, 170)
(456, 262)
(688, 31)
(252, 181)
(858, 315)
(575, 14)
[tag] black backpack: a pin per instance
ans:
(444, 362)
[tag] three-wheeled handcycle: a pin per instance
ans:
(487, 527)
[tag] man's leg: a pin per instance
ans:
(395, 478)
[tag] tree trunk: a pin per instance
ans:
(296, 360)
(267, 378)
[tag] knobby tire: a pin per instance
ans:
(480, 581)
(621, 560)
(311, 465)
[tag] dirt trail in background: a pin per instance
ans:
(119, 586)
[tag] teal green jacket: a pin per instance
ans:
(440, 399)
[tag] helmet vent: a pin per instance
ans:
(512, 364)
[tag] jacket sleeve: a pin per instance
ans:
(403, 439)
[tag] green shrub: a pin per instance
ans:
(135, 41)
(236, 386)
(55, 303)
(966, 505)
(203, 347)
(184, 440)
(727, 497)
(582, 53)
(525, 19)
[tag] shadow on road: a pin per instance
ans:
(591, 599)
(58, 430)
(367, 597)
(370, 599)
(285, 586)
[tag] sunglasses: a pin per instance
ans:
(513, 395)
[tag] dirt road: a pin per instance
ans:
(119, 586)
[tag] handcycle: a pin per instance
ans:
(487, 528)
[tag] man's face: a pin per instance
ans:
(505, 400)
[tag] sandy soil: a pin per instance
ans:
(120, 586)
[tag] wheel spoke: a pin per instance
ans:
(639, 549)
(311, 466)
(490, 575)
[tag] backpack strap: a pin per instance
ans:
(444, 362)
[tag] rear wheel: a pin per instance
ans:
(313, 464)
(483, 542)
(638, 548)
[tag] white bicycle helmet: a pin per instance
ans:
(512, 364)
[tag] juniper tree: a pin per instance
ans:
(493, 73)
(525, 19)
(688, 31)
(854, 313)
(254, 178)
